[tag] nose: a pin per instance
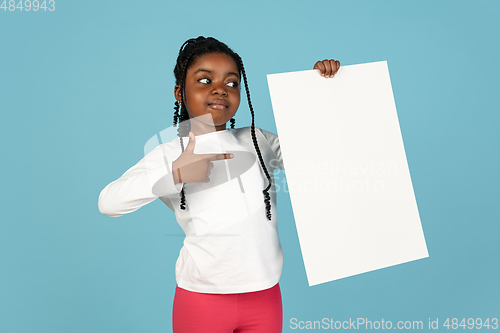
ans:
(219, 89)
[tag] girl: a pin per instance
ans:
(228, 269)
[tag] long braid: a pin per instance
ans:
(184, 128)
(188, 53)
(267, 197)
(176, 113)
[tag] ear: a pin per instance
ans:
(177, 92)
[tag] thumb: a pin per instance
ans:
(191, 143)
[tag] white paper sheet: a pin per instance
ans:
(346, 168)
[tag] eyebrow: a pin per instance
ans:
(207, 71)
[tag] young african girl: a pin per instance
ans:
(219, 183)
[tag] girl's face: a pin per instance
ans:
(212, 87)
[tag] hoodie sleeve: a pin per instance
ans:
(149, 179)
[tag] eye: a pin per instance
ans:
(233, 84)
(204, 81)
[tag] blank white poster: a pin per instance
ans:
(347, 173)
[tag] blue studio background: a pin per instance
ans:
(84, 87)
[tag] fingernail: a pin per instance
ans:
(231, 155)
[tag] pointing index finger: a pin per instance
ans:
(215, 157)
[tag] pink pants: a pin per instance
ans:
(258, 311)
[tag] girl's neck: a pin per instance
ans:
(199, 128)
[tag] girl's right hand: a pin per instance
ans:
(194, 168)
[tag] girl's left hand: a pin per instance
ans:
(327, 68)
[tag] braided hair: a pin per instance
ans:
(189, 52)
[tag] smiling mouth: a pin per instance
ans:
(218, 104)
